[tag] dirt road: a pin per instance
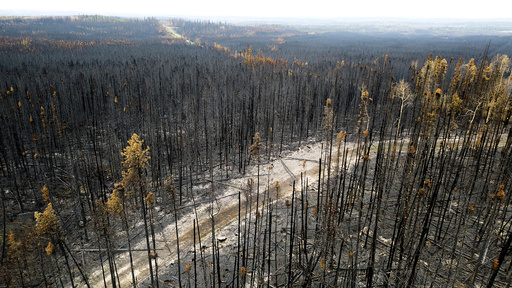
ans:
(225, 209)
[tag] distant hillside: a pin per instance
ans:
(76, 31)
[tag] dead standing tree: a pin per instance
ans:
(255, 150)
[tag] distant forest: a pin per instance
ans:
(115, 131)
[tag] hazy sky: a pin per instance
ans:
(341, 9)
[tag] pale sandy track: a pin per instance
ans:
(225, 209)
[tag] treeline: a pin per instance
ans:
(48, 34)
(211, 31)
(83, 28)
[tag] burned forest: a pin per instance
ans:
(177, 153)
